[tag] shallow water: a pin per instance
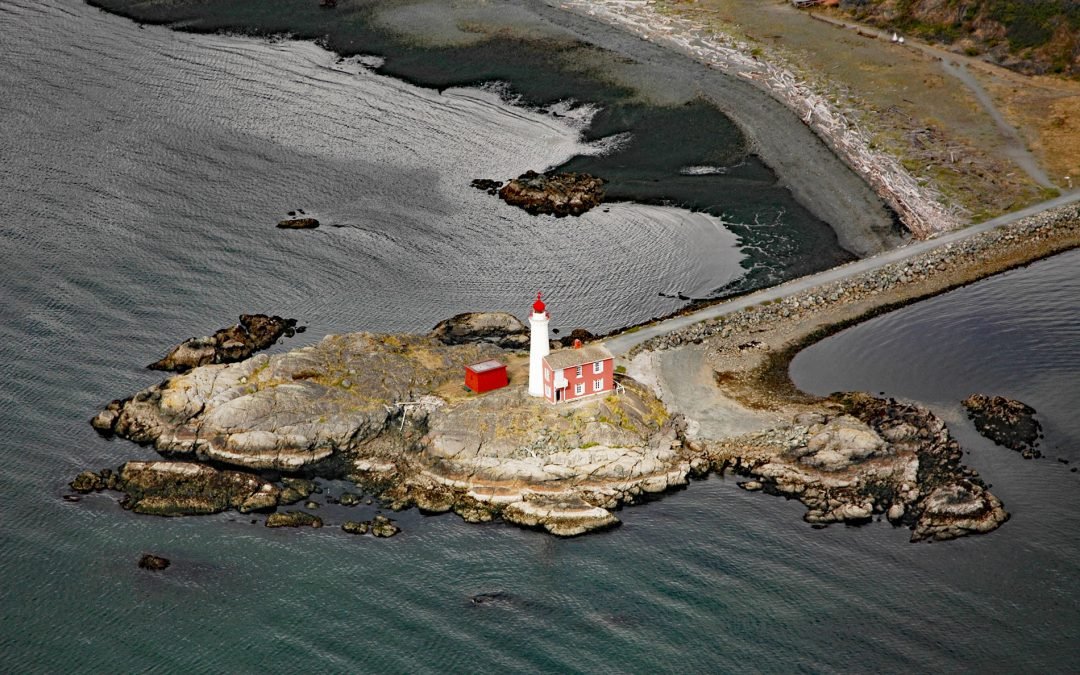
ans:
(131, 221)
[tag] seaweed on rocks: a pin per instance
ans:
(1006, 422)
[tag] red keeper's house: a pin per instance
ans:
(485, 376)
(571, 374)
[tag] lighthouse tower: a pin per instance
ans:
(539, 346)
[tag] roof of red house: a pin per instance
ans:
(568, 358)
(484, 366)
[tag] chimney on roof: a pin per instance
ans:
(577, 343)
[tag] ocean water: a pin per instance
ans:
(142, 173)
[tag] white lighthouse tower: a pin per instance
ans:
(539, 346)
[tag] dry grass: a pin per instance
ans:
(1047, 112)
(901, 96)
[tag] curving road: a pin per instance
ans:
(623, 342)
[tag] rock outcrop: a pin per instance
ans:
(254, 333)
(575, 335)
(877, 456)
(154, 563)
(1005, 421)
(336, 409)
(181, 488)
(557, 194)
(499, 328)
(293, 519)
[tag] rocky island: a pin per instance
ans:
(1005, 421)
(389, 412)
(556, 194)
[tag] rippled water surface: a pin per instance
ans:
(142, 173)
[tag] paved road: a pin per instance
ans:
(623, 342)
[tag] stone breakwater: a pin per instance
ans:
(935, 271)
(920, 207)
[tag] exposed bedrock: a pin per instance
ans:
(876, 456)
(501, 328)
(181, 488)
(389, 412)
(557, 194)
(1005, 421)
(254, 333)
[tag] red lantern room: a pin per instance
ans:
(485, 376)
(539, 306)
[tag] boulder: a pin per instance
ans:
(381, 526)
(350, 499)
(575, 335)
(487, 185)
(356, 527)
(153, 562)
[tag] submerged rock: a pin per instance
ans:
(500, 328)
(487, 185)
(153, 562)
(298, 223)
(293, 519)
(350, 499)
(381, 526)
(1006, 422)
(356, 527)
(254, 333)
(557, 194)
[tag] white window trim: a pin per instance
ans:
(597, 385)
(597, 367)
(579, 371)
(579, 389)
(547, 391)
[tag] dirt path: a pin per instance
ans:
(957, 66)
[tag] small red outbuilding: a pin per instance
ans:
(485, 376)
